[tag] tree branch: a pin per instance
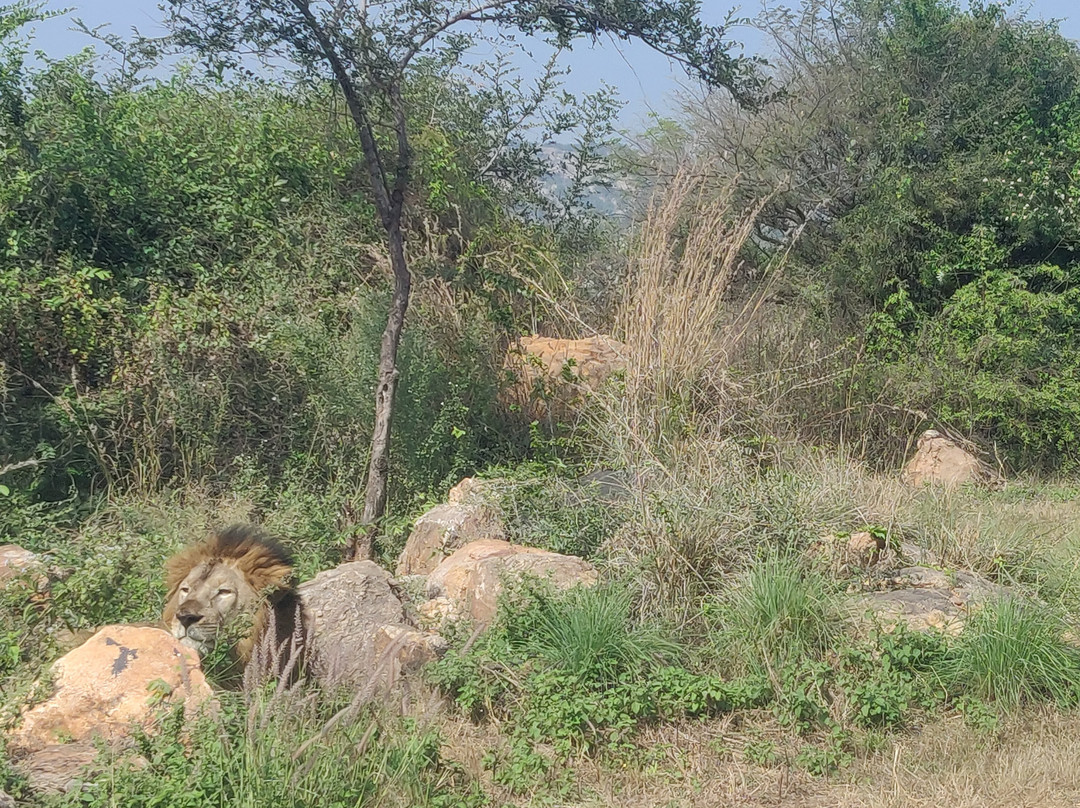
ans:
(22, 464)
(420, 41)
(379, 186)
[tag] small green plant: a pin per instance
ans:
(800, 700)
(761, 752)
(891, 674)
(828, 757)
(978, 715)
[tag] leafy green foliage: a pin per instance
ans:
(888, 678)
(586, 675)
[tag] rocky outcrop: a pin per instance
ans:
(359, 635)
(467, 517)
(468, 583)
(121, 677)
(557, 373)
(925, 598)
(938, 460)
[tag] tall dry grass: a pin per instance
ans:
(674, 306)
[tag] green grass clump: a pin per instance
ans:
(590, 633)
(255, 752)
(1014, 652)
(780, 613)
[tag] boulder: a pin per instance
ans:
(445, 528)
(926, 598)
(15, 561)
(847, 552)
(120, 678)
(468, 582)
(359, 635)
(561, 371)
(939, 460)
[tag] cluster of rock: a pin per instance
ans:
(363, 633)
(904, 584)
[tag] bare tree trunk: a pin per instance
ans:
(361, 546)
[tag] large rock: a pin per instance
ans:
(445, 528)
(359, 636)
(559, 372)
(469, 582)
(926, 598)
(941, 461)
(120, 678)
(15, 561)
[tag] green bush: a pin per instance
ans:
(585, 676)
(886, 679)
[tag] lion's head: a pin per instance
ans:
(224, 588)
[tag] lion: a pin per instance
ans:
(230, 589)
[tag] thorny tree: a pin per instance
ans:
(368, 46)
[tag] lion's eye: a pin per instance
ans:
(184, 590)
(224, 591)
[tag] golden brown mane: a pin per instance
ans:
(266, 564)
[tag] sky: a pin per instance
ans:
(646, 80)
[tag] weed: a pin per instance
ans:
(828, 757)
(887, 676)
(761, 752)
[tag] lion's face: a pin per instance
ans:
(214, 597)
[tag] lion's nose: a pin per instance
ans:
(188, 620)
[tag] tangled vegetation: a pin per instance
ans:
(876, 234)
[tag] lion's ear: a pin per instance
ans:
(178, 567)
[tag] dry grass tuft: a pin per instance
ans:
(1031, 762)
(673, 308)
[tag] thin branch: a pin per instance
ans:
(379, 186)
(22, 464)
(421, 41)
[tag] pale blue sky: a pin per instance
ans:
(645, 79)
